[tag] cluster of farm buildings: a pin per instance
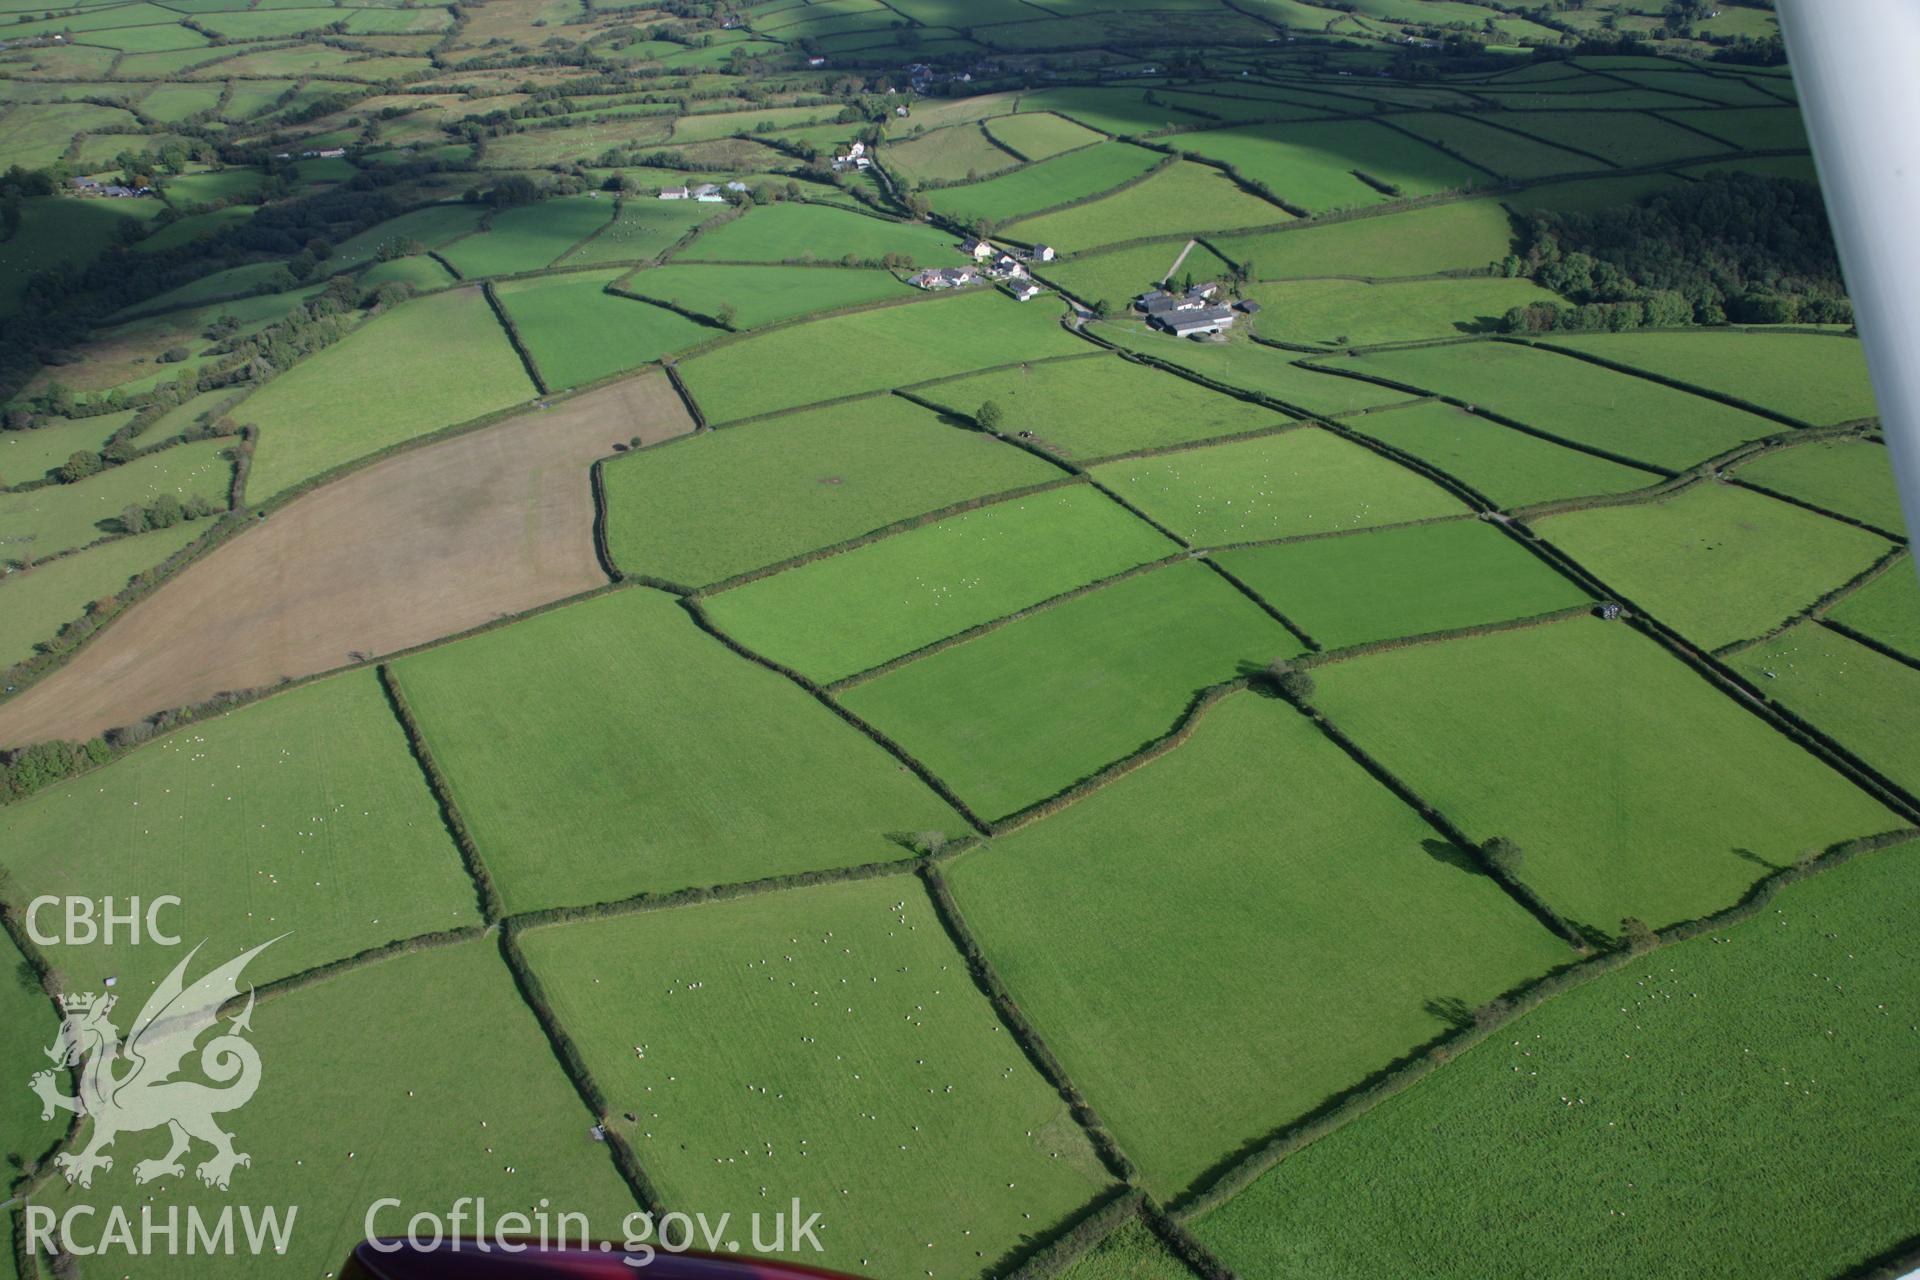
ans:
(988, 263)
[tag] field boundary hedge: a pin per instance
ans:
(1321, 535)
(1672, 384)
(1235, 1174)
(904, 525)
(686, 396)
(513, 336)
(1108, 1213)
(574, 1064)
(1868, 642)
(1367, 648)
(1008, 1010)
(938, 785)
(486, 893)
(1159, 166)
(979, 629)
(1813, 611)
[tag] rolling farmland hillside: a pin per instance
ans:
(1119, 640)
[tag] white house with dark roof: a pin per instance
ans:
(977, 249)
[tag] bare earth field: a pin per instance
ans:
(419, 546)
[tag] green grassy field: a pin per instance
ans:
(39, 602)
(871, 351)
(1017, 714)
(818, 233)
(1576, 401)
(1769, 1057)
(1042, 186)
(1343, 313)
(1749, 128)
(1628, 139)
(849, 612)
(642, 230)
(1124, 274)
(447, 351)
(26, 456)
(1313, 165)
(1131, 1253)
(1332, 930)
(1116, 111)
(1278, 486)
(589, 776)
(1886, 609)
(1589, 195)
(1464, 235)
(875, 1083)
(32, 1026)
(578, 333)
(1248, 367)
(1184, 197)
(432, 226)
(334, 1127)
(1853, 477)
(302, 815)
(1862, 698)
(1633, 786)
(1510, 467)
(1488, 146)
(762, 295)
(950, 155)
(1461, 573)
(1813, 377)
(705, 508)
(528, 238)
(1092, 408)
(46, 521)
(1037, 135)
(1716, 563)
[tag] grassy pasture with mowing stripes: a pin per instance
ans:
(1248, 367)
(1813, 377)
(499, 1119)
(1464, 235)
(1577, 401)
(528, 238)
(1041, 186)
(304, 813)
(1331, 931)
(1853, 477)
(1715, 562)
(849, 612)
(792, 232)
(577, 332)
(871, 351)
(1803, 1015)
(1462, 573)
(1019, 713)
(1634, 787)
(1886, 609)
(827, 1042)
(720, 503)
(1278, 486)
(46, 521)
(1313, 165)
(1085, 409)
(1342, 313)
(762, 294)
(1510, 467)
(447, 350)
(1182, 197)
(39, 602)
(591, 775)
(1862, 698)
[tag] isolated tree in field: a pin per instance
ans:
(1289, 681)
(1102, 309)
(990, 416)
(1504, 856)
(725, 314)
(79, 465)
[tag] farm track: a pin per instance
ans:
(423, 545)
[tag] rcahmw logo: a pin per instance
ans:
(129, 1086)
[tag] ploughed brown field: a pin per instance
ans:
(421, 545)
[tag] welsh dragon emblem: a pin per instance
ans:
(128, 1086)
